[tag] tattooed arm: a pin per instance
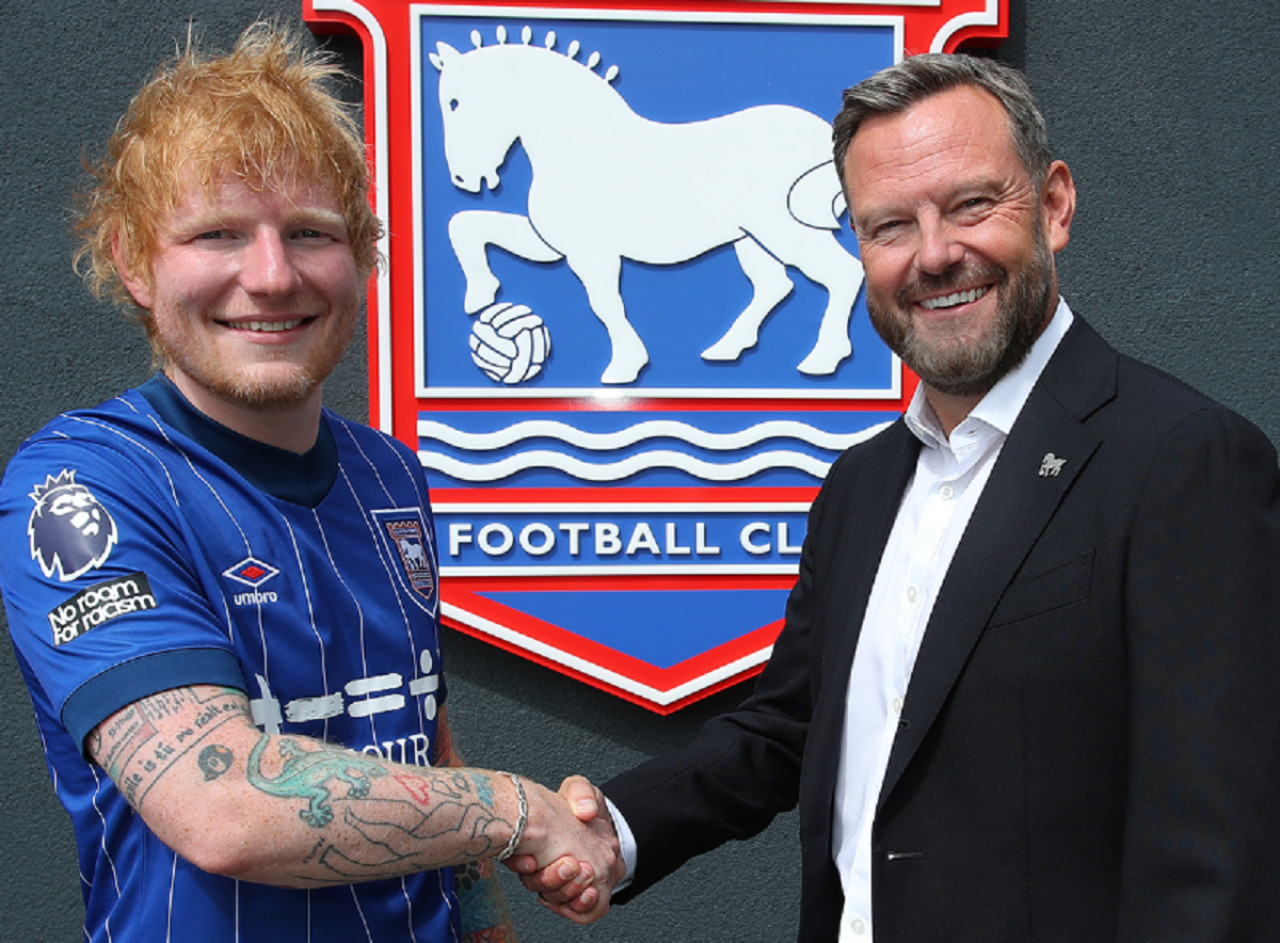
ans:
(485, 918)
(296, 812)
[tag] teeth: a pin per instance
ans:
(957, 298)
(269, 327)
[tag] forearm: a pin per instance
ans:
(293, 811)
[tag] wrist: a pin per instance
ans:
(522, 819)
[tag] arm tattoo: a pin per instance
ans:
(373, 822)
(308, 774)
(485, 918)
(360, 817)
(214, 760)
(132, 750)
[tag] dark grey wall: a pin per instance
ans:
(1168, 114)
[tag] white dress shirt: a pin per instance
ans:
(951, 472)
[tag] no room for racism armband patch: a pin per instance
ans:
(100, 603)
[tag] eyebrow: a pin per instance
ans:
(306, 214)
(214, 218)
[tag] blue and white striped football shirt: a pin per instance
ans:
(146, 548)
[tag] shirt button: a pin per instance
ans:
(897, 705)
(912, 594)
(947, 492)
(859, 926)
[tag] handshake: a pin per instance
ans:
(569, 854)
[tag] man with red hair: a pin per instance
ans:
(228, 614)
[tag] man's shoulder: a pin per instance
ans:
(99, 450)
(1087, 365)
(1139, 407)
(123, 422)
(1153, 399)
(352, 433)
(1161, 408)
(1139, 376)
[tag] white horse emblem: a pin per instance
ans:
(610, 185)
(413, 553)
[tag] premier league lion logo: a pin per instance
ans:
(70, 531)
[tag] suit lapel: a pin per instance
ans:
(868, 522)
(1016, 506)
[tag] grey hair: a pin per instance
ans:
(895, 89)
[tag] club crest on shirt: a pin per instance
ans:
(407, 539)
(70, 531)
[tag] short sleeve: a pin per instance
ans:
(104, 600)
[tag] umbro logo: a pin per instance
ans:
(251, 572)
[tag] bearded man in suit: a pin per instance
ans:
(1022, 689)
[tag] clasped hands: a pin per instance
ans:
(569, 856)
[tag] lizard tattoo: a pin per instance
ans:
(312, 775)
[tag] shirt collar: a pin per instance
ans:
(299, 479)
(999, 409)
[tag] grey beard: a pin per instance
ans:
(973, 369)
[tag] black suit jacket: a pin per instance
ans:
(1089, 747)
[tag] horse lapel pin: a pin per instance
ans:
(1051, 465)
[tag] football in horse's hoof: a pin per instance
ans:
(509, 343)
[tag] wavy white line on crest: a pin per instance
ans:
(663, 428)
(614, 471)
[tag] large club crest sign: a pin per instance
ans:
(622, 318)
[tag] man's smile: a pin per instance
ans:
(267, 327)
(955, 298)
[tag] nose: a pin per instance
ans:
(939, 249)
(268, 267)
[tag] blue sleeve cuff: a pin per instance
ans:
(119, 686)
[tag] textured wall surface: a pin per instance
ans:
(1167, 111)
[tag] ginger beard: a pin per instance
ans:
(274, 380)
(964, 365)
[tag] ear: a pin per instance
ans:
(138, 285)
(1058, 205)
(442, 56)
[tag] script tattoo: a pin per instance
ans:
(131, 748)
